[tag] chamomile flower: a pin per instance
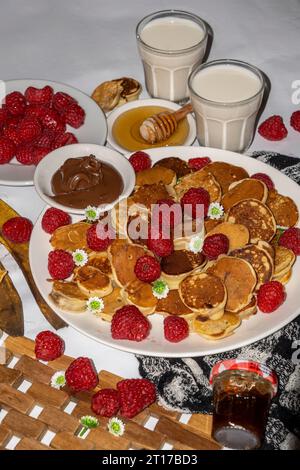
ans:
(95, 305)
(196, 243)
(80, 257)
(58, 379)
(91, 213)
(116, 427)
(215, 210)
(160, 289)
(88, 422)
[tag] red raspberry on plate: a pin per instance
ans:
(140, 161)
(175, 329)
(46, 139)
(36, 110)
(39, 95)
(198, 163)
(13, 121)
(106, 402)
(291, 239)
(193, 199)
(40, 153)
(60, 264)
(61, 101)
(129, 323)
(81, 375)
(66, 138)
(265, 179)
(54, 218)
(54, 121)
(135, 395)
(74, 115)
(3, 116)
(159, 243)
(270, 296)
(25, 154)
(273, 128)
(164, 218)
(99, 237)
(48, 346)
(295, 121)
(29, 129)
(15, 103)
(12, 133)
(147, 269)
(7, 150)
(17, 229)
(215, 245)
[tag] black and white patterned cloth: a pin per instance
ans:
(182, 384)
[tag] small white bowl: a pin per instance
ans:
(113, 115)
(53, 161)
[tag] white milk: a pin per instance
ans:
(170, 46)
(226, 97)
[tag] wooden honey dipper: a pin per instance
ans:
(161, 126)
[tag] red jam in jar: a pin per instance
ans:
(242, 393)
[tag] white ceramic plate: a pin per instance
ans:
(138, 104)
(94, 129)
(254, 329)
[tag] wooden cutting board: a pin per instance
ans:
(151, 429)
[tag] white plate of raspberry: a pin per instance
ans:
(39, 116)
(254, 329)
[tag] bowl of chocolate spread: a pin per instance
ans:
(80, 175)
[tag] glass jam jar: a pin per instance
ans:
(242, 393)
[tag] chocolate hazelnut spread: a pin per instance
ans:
(85, 181)
(181, 261)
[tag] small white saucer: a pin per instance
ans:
(138, 104)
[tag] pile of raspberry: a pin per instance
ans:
(35, 123)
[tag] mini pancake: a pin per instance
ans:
(140, 294)
(259, 259)
(155, 175)
(215, 329)
(256, 216)
(284, 279)
(246, 312)
(123, 257)
(70, 237)
(67, 296)
(245, 189)
(173, 305)
(138, 225)
(283, 208)
(178, 264)
(112, 302)
(100, 261)
(284, 260)
(237, 234)
(180, 167)
(210, 224)
(184, 234)
(92, 282)
(226, 174)
(149, 194)
(239, 278)
(199, 179)
(203, 293)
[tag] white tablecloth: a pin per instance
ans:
(85, 42)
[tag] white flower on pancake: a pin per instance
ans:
(196, 243)
(58, 379)
(116, 427)
(80, 257)
(215, 210)
(91, 213)
(160, 289)
(95, 305)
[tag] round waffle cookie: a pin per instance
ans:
(199, 179)
(215, 329)
(176, 164)
(173, 305)
(92, 282)
(225, 173)
(237, 234)
(256, 216)
(178, 264)
(67, 296)
(283, 208)
(140, 294)
(248, 188)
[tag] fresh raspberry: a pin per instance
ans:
(17, 229)
(140, 161)
(81, 375)
(295, 120)
(61, 101)
(159, 243)
(15, 103)
(198, 163)
(291, 239)
(147, 269)
(3, 116)
(66, 138)
(265, 179)
(40, 153)
(25, 154)
(175, 329)
(135, 395)
(39, 95)
(166, 219)
(270, 296)
(74, 115)
(99, 237)
(273, 128)
(29, 129)
(36, 110)
(60, 264)
(13, 121)
(54, 218)
(7, 150)
(46, 139)
(12, 133)
(48, 346)
(195, 197)
(129, 323)
(106, 402)
(215, 245)
(54, 121)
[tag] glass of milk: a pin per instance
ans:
(226, 96)
(170, 43)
